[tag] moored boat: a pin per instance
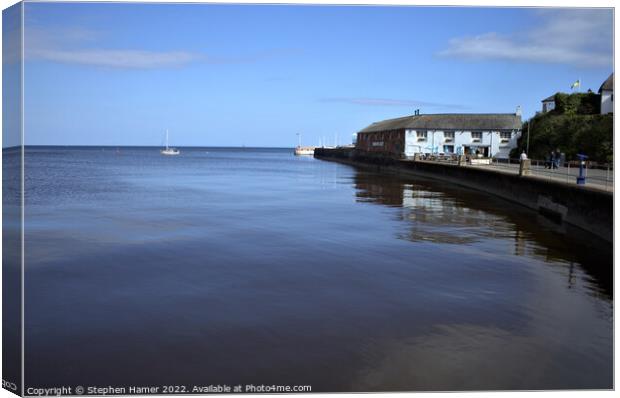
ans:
(304, 150)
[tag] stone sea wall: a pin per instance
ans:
(588, 208)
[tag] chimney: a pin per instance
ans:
(518, 112)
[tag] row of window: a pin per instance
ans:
(449, 135)
(505, 136)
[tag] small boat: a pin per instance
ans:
(169, 151)
(304, 150)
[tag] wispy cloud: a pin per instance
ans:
(117, 58)
(79, 46)
(390, 102)
(577, 37)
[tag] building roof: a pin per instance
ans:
(450, 121)
(607, 84)
(552, 98)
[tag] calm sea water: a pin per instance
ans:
(230, 266)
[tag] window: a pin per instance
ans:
(505, 135)
(448, 136)
(476, 136)
(421, 135)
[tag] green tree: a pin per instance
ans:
(571, 134)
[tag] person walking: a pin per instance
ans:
(523, 156)
(558, 158)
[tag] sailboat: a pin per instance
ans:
(168, 150)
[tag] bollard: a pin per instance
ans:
(525, 167)
(581, 178)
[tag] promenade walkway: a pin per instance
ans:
(595, 177)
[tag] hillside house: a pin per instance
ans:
(548, 104)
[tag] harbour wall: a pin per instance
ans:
(588, 208)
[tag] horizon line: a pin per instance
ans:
(143, 146)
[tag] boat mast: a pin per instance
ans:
(166, 139)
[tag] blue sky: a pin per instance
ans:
(219, 75)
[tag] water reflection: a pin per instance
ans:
(540, 352)
(254, 266)
(442, 213)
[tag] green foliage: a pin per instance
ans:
(571, 133)
(574, 126)
(577, 104)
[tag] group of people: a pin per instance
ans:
(553, 160)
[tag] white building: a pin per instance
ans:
(548, 104)
(607, 95)
(490, 134)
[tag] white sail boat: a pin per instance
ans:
(168, 150)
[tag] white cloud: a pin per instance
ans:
(77, 46)
(117, 58)
(73, 45)
(577, 37)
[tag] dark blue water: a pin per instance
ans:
(247, 266)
